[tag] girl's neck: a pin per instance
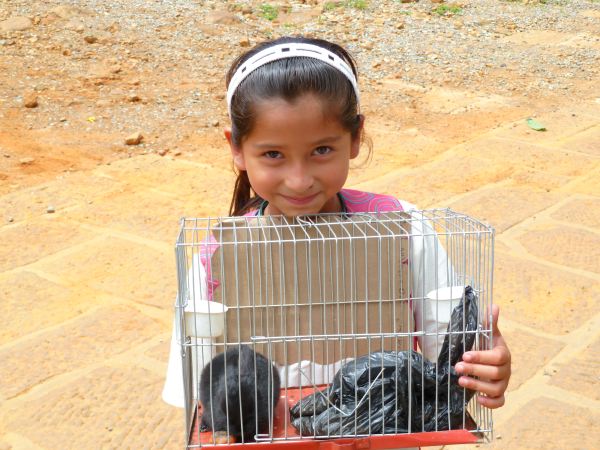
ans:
(335, 205)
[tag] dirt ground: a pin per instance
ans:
(100, 73)
(88, 222)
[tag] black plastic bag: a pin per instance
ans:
(395, 392)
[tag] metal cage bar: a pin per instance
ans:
(314, 294)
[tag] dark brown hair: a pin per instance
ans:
(288, 79)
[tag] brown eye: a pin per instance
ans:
(273, 154)
(323, 150)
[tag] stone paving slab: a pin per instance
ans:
(585, 142)
(160, 352)
(582, 374)
(529, 353)
(482, 162)
(514, 155)
(415, 149)
(109, 408)
(171, 175)
(541, 297)
(121, 268)
(71, 189)
(536, 179)
(193, 187)
(88, 339)
(550, 425)
(25, 243)
(433, 182)
(568, 246)
(500, 246)
(561, 124)
(505, 206)
(31, 303)
(147, 219)
(588, 185)
(584, 211)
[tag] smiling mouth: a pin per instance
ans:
(300, 200)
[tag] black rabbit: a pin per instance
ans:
(238, 395)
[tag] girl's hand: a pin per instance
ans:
(492, 367)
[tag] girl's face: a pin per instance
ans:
(296, 156)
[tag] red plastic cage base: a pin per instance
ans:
(283, 429)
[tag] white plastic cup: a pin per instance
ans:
(437, 309)
(204, 319)
(440, 303)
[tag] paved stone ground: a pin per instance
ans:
(86, 369)
(87, 291)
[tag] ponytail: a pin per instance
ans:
(242, 200)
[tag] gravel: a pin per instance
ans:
(90, 60)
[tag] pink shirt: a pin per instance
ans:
(359, 201)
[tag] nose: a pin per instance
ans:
(299, 179)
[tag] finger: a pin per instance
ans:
(498, 356)
(484, 371)
(489, 388)
(491, 402)
(495, 315)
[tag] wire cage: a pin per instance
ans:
(338, 328)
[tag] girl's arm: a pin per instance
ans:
(492, 367)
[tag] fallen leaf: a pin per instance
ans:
(535, 125)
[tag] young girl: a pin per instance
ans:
(295, 126)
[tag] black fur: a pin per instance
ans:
(241, 385)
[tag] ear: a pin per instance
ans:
(236, 152)
(355, 144)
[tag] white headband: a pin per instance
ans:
(291, 50)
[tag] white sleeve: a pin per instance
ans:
(173, 388)
(430, 269)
